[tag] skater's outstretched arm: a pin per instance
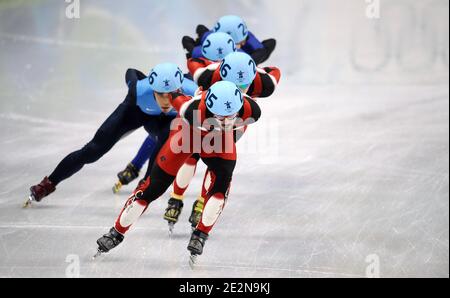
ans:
(203, 71)
(177, 100)
(250, 111)
(133, 75)
(265, 82)
(187, 107)
(206, 73)
(207, 76)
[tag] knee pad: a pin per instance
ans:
(131, 212)
(185, 174)
(208, 180)
(212, 210)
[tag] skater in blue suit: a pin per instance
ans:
(146, 105)
(148, 149)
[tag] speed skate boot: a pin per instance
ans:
(40, 191)
(125, 177)
(196, 244)
(108, 241)
(173, 212)
(196, 214)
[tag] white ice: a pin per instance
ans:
(347, 168)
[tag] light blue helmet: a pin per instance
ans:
(238, 68)
(217, 45)
(234, 26)
(165, 78)
(224, 99)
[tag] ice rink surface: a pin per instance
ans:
(336, 178)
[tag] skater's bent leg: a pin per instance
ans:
(161, 177)
(105, 138)
(206, 185)
(133, 209)
(180, 185)
(197, 207)
(221, 172)
(159, 182)
(184, 176)
(155, 185)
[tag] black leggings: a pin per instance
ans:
(160, 181)
(125, 119)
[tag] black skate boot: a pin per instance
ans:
(125, 177)
(196, 214)
(40, 191)
(196, 244)
(173, 212)
(108, 241)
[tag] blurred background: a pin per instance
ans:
(319, 42)
(359, 127)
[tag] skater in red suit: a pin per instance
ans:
(256, 82)
(208, 119)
